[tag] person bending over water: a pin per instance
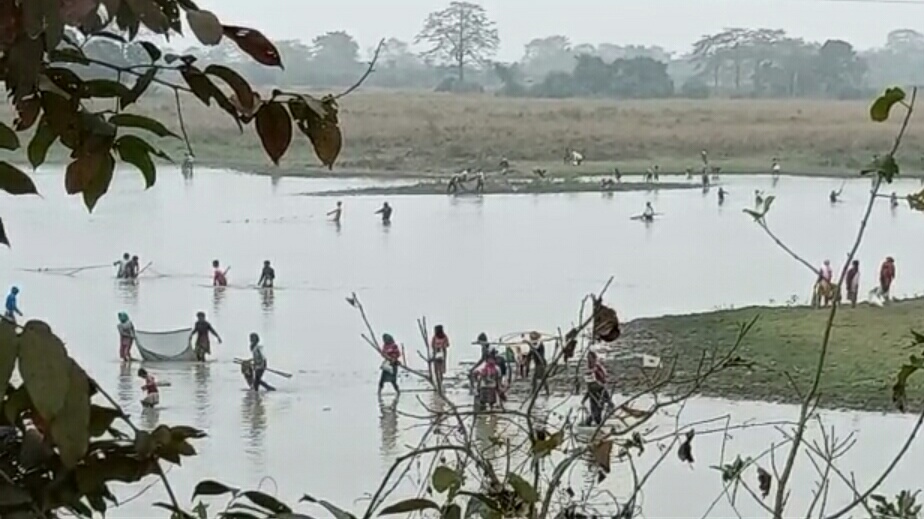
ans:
(267, 276)
(151, 391)
(203, 330)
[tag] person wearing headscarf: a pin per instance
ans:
(126, 337)
(392, 359)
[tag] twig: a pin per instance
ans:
(179, 115)
(362, 79)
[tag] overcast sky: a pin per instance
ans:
(673, 24)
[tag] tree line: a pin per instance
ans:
(456, 46)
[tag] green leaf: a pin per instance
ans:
(70, 427)
(41, 141)
(149, 13)
(4, 239)
(409, 505)
(45, 368)
(452, 511)
(882, 106)
(177, 513)
(545, 447)
(444, 478)
(9, 351)
(104, 88)
(101, 419)
(136, 152)
(14, 181)
(768, 202)
(141, 86)
(274, 126)
(754, 214)
(337, 512)
(205, 26)
(8, 138)
(153, 51)
(523, 489)
(888, 168)
(141, 122)
(242, 90)
(98, 183)
(209, 487)
(267, 502)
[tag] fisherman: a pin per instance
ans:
(219, 277)
(132, 268)
(618, 175)
(488, 380)
(389, 369)
(853, 282)
(649, 213)
(257, 362)
(657, 171)
(597, 394)
(722, 194)
(479, 182)
(151, 391)
(439, 347)
(775, 167)
(510, 358)
(385, 211)
(649, 175)
(886, 277)
(485, 346)
(126, 337)
(705, 179)
(187, 168)
(267, 276)
(537, 357)
(202, 330)
(893, 200)
(336, 213)
(122, 264)
(12, 305)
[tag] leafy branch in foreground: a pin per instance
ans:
(41, 60)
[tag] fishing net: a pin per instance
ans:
(606, 323)
(165, 346)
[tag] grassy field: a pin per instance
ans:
(395, 133)
(868, 347)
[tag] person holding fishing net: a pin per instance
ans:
(126, 337)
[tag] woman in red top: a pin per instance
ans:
(392, 354)
(439, 346)
(886, 277)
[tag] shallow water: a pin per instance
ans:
(498, 264)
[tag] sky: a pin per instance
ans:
(672, 24)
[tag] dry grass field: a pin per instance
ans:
(404, 132)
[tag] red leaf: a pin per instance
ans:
(274, 126)
(254, 43)
(81, 172)
(10, 23)
(27, 112)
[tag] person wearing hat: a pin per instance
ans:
(392, 354)
(126, 337)
(12, 305)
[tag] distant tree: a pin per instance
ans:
(461, 34)
(900, 61)
(557, 85)
(841, 70)
(335, 49)
(511, 78)
(549, 54)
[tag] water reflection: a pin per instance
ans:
(267, 297)
(125, 393)
(150, 417)
(128, 291)
(388, 425)
(218, 295)
(202, 392)
(253, 424)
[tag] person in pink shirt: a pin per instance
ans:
(392, 354)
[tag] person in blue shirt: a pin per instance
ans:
(12, 308)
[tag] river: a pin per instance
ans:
(496, 264)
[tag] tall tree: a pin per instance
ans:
(461, 34)
(549, 54)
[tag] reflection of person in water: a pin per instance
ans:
(388, 424)
(253, 413)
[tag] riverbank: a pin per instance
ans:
(413, 134)
(535, 187)
(868, 347)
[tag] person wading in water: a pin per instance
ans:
(267, 276)
(219, 277)
(537, 357)
(151, 391)
(385, 211)
(392, 354)
(126, 337)
(202, 329)
(489, 384)
(485, 346)
(336, 213)
(597, 394)
(439, 347)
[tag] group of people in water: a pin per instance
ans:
(128, 267)
(336, 214)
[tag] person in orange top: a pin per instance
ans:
(389, 370)
(886, 277)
